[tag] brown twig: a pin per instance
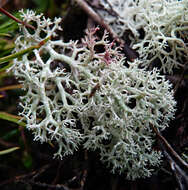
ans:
(181, 176)
(16, 19)
(24, 139)
(40, 171)
(17, 178)
(170, 149)
(98, 20)
(25, 179)
(55, 187)
(129, 52)
(29, 179)
(55, 180)
(94, 89)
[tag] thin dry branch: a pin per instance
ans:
(16, 19)
(91, 13)
(169, 148)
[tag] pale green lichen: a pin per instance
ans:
(164, 24)
(83, 94)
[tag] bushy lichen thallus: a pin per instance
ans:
(67, 82)
(157, 29)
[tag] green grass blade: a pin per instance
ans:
(9, 150)
(12, 118)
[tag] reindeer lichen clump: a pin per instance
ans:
(84, 95)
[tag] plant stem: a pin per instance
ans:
(16, 19)
(22, 52)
